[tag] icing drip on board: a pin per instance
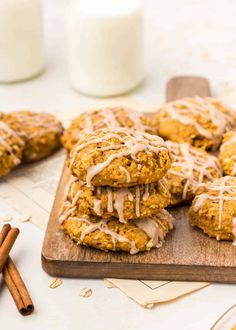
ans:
(191, 164)
(219, 191)
(131, 142)
(187, 111)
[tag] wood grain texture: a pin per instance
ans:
(187, 254)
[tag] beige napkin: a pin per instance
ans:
(149, 293)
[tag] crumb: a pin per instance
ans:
(7, 218)
(149, 305)
(4, 196)
(25, 217)
(55, 283)
(85, 293)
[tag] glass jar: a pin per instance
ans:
(105, 46)
(21, 40)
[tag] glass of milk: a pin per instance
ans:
(21, 41)
(105, 46)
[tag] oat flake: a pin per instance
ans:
(85, 293)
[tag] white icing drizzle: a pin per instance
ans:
(66, 213)
(137, 203)
(185, 109)
(44, 123)
(132, 143)
(116, 196)
(108, 119)
(109, 200)
(119, 203)
(69, 191)
(219, 191)
(88, 128)
(99, 190)
(135, 116)
(76, 197)
(152, 229)
(152, 226)
(146, 192)
(102, 226)
(97, 206)
(111, 118)
(6, 133)
(193, 165)
(128, 178)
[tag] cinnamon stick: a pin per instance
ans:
(8, 238)
(17, 288)
(3, 233)
(10, 273)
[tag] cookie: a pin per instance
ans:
(199, 121)
(227, 153)
(111, 235)
(11, 147)
(123, 203)
(214, 208)
(190, 167)
(119, 158)
(41, 132)
(111, 118)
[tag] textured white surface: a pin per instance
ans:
(183, 37)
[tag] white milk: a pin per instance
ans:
(21, 51)
(105, 45)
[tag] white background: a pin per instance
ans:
(182, 37)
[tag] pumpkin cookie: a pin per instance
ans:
(199, 121)
(119, 158)
(124, 203)
(112, 235)
(111, 118)
(11, 147)
(227, 154)
(41, 132)
(190, 167)
(214, 208)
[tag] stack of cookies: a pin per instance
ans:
(116, 196)
(27, 136)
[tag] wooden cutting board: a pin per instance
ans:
(187, 254)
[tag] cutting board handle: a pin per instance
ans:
(187, 86)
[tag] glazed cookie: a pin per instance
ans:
(214, 208)
(199, 121)
(111, 118)
(11, 147)
(120, 158)
(124, 203)
(190, 167)
(227, 154)
(41, 132)
(112, 235)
